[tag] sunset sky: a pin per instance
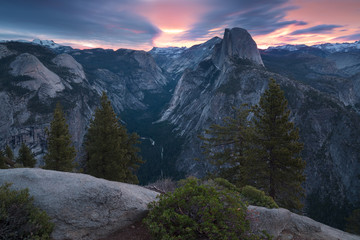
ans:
(142, 24)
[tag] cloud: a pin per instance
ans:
(144, 23)
(352, 37)
(105, 21)
(324, 28)
(259, 17)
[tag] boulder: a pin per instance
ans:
(81, 206)
(283, 224)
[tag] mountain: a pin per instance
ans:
(175, 61)
(46, 43)
(171, 95)
(333, 73)
(33, 79)
(329, 47)
(328, 128)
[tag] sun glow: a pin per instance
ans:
(172, 30)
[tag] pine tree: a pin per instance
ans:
(9, 153)
(263, 152)
(61, 154)
(26, 157)
(276, 151)
(2, 161)
(227, 146)
(111, 152)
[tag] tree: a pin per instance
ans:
(7, 158)
(111, 151)
(26, 157)
(61, 154)
(263, 152)
(9, 153)
(277, 150)
(227, 146)
(2, 161)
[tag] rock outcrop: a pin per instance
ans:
(67, 61)
(42, 78)
(237, 43)
(283, 224)
(176, 60)
(81, 206)
(4, 51)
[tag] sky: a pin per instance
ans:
(143, 24)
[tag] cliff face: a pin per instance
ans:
(237, 43)
(333, 73)
(33, 79)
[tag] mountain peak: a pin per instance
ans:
(237, 42)
(46, 43)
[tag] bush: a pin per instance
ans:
(353, 222)
(19, 218)
(199, 211)
(257, 197)
(221, 182)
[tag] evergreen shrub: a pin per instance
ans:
(257, 197)
(199, 211)
(19, 218)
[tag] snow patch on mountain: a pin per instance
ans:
(329, 47)
(46, 43)
(171, 52)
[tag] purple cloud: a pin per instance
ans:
(257, 16)
(106, 21)
(352, 37)
(324, 28)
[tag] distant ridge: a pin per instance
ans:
(330, 47)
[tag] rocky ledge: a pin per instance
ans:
(285, 225)
(81, 206)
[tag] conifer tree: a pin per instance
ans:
(26, 157)
(276, 151)
(2, 161)
(9, 153)
(61, 154)
(263, 152)
(227, 146)
(111, 151)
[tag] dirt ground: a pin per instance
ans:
(135, 231)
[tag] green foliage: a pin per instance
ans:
(26, 157)
(257, 197)
(353, 222)
(2, 161)
(19, 218)
(263, 152)
(277, 165)
(199, 211)
(61, 154)
(9, 153)
(111, 151)
(221, 182)
(226, 146)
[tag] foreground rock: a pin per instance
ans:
(283, 224)
(81, 206)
